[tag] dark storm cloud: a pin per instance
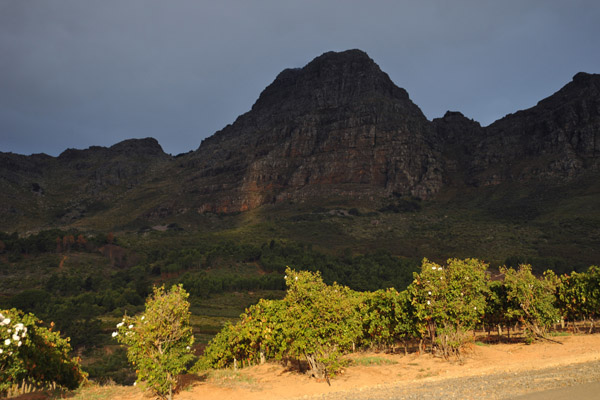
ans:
(77, 73)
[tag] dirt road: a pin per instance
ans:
(572, 382)
(498, 371)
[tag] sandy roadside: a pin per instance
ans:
(272, 381)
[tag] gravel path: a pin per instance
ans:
(494, 387)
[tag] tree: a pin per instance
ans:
(315, 321)
(578, 295)
(34, 354)
(159, 340)
(450, 300)
(531, 300)
(388, 317)
(259, 336)
(495, 309)
(323, 321)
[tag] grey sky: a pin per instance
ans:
(76, 73)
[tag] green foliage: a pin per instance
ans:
(371, 271)
(86, 290)
(450, 300)
(159, 340)
(541, 264)
(315, 321)
(260, 334)
(111, 366)
(372, 360)
(531, 300)
(578, 294)
(201, 284)
(496, 305)
(34, 354)
(42, 242)
(388, 317)
(323, 321)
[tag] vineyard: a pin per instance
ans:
(316, 325)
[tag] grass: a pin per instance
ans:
(98, 392)
(426, 373)
(231, 379)
(559, 334)
(368, 361)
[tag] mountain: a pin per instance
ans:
(42, 191)
(337, 127)
(339, 132)
(557, 140)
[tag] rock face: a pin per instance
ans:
(75, 182)
(338, 126)
(124, 163)
(557, 140)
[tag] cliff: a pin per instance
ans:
(337, 127)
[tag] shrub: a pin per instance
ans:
(159, 340)
(450, 300)
(322, 321)
(34, 354)
(388, 317)
(578, 295)
(531, 300)
(496, 305)
(257, 337)
(314, 321)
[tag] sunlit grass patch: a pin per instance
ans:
(231, 378)
(372, 360)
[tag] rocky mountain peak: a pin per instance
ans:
(454, 127)
(148, 147)
(584, 78)
(336, 127)
(142, 147)
(330, 81)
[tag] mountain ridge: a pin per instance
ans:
(336, 128)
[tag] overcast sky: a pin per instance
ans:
(77, 73)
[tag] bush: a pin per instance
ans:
(578, 295)
(260, 335)
(33, 354)
(314, 321)
(159, 340)
(387, 317)
(496, 305)
(450, 300)
(531, 300)
(322, 321)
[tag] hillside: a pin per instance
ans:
(336, 155)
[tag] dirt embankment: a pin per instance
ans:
(536, 367)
